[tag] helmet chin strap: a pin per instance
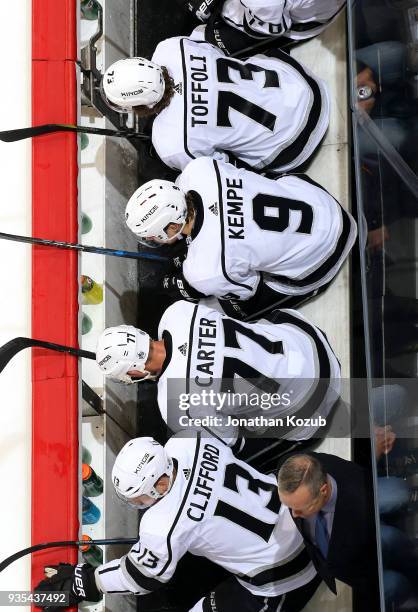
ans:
(148, 376)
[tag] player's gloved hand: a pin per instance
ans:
(202, 9)
(78, 580)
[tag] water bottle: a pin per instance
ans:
(86, 324)
(92, 483)
(92, 292)
(84, 141)
(89, 9)
(85, 455)
(86, 223)
(91, 512)
(91, 553)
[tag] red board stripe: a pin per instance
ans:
(54, 284)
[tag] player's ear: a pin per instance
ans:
(324, 489)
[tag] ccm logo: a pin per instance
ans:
(79, 586)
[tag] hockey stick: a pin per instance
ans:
(261, 45)
(50, 128)
(81, 247)
(96, 402)
(32, 549)
(11, 348)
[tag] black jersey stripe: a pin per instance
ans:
(145, 582)
(293, 150)
(183, 63)
(284, 571)
(183, 502)
(324, 376)
(312, 25)
(221, 211)
(328, 264)
(190, 352)
(109, 569)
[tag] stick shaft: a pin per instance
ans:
(50, 128)
(32, 549)
(80, 247)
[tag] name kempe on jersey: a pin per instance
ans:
(247, 224)
(208, 350)
(219, 508)
(266, 111)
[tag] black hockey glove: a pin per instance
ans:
(202, 9)
(177, 288)
(77, 580)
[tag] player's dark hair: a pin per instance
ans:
(301, 470)
(144, 111)
(191, 211)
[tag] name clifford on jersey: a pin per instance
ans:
(202, 491)
(291, 421)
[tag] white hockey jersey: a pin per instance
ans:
(270, 112)
(253, 369)
(296, 19)
(219, 508)
(247, 224)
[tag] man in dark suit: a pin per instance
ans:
(331, 501)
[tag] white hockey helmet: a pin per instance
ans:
(120, 349)
(152, 207)
(138, 467)
(130, 82)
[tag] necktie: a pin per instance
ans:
(321, 534)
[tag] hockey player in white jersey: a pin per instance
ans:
(284, 370)
(267, 112)
(237, 24)
(253, 240)
(199, 498)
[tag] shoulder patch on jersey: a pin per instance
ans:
(214, 208)
(179, 88)
(187, 473)
(183, 349)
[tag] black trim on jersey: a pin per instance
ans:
(311, 25)
(284, 571)
(183, 502)
(293, 150)
(109, 569)
(183, 62)
(189, 356)
(254, 34)
(145, 582)
(324, 375)
(328, 264)
(221, 214)
(308, 179)
(168, 345)
(199, 213)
